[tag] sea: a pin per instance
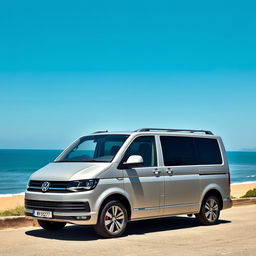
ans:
(16, 166)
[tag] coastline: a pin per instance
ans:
(11, 201)
(239, 189)
(11, 195)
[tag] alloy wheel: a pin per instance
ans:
(211, 210)
(114, 219)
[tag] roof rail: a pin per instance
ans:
(100, 131)
(172, 130)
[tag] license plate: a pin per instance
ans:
(42, 214)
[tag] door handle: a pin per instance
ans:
(169, 171)
(156, 172)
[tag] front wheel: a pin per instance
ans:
(51, 225)
(112, 220)
(210, 211)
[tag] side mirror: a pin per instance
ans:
(133, 162)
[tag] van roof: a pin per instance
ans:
(161, 130)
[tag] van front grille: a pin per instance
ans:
(54, 187)
(59, 206)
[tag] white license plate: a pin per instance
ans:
(42, 214)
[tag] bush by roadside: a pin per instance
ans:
(250, 193)
(18, 211)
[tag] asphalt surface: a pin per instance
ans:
(235, 234)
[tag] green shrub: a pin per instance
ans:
(250, 193)
(18, 211)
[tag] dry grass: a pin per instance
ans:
(250, 193)
(18, 211)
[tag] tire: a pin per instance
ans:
(210, 211)
(51, 225)
(112, 220)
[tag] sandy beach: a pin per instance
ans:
(11, 202)
(238, 190)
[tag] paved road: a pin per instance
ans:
(234, 235)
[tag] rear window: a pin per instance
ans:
(190, 151)
(208, 151)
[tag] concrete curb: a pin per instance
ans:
(23, 221)
(16, 222)
(244, 201)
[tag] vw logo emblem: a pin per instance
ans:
(45, 186)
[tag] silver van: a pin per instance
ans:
(107, 179)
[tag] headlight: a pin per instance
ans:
(82, 185)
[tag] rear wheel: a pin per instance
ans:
(112, 220)
(51, 225)
(210, 211)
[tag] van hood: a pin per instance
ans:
(69, 171)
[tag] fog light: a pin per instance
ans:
(83, 217)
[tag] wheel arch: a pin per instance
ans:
(215, 191)
(115, 195)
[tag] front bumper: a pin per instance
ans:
(65, 208)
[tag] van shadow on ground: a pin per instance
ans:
(86, 233)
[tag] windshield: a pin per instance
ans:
(95, 148)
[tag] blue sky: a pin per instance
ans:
(69, 68)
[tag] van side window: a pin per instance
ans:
(178, 150)
(208, 151)
(144, 146)
(190, 151)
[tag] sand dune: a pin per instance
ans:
(238, 190)
(11, 202)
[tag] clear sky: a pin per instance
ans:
(68, 68)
